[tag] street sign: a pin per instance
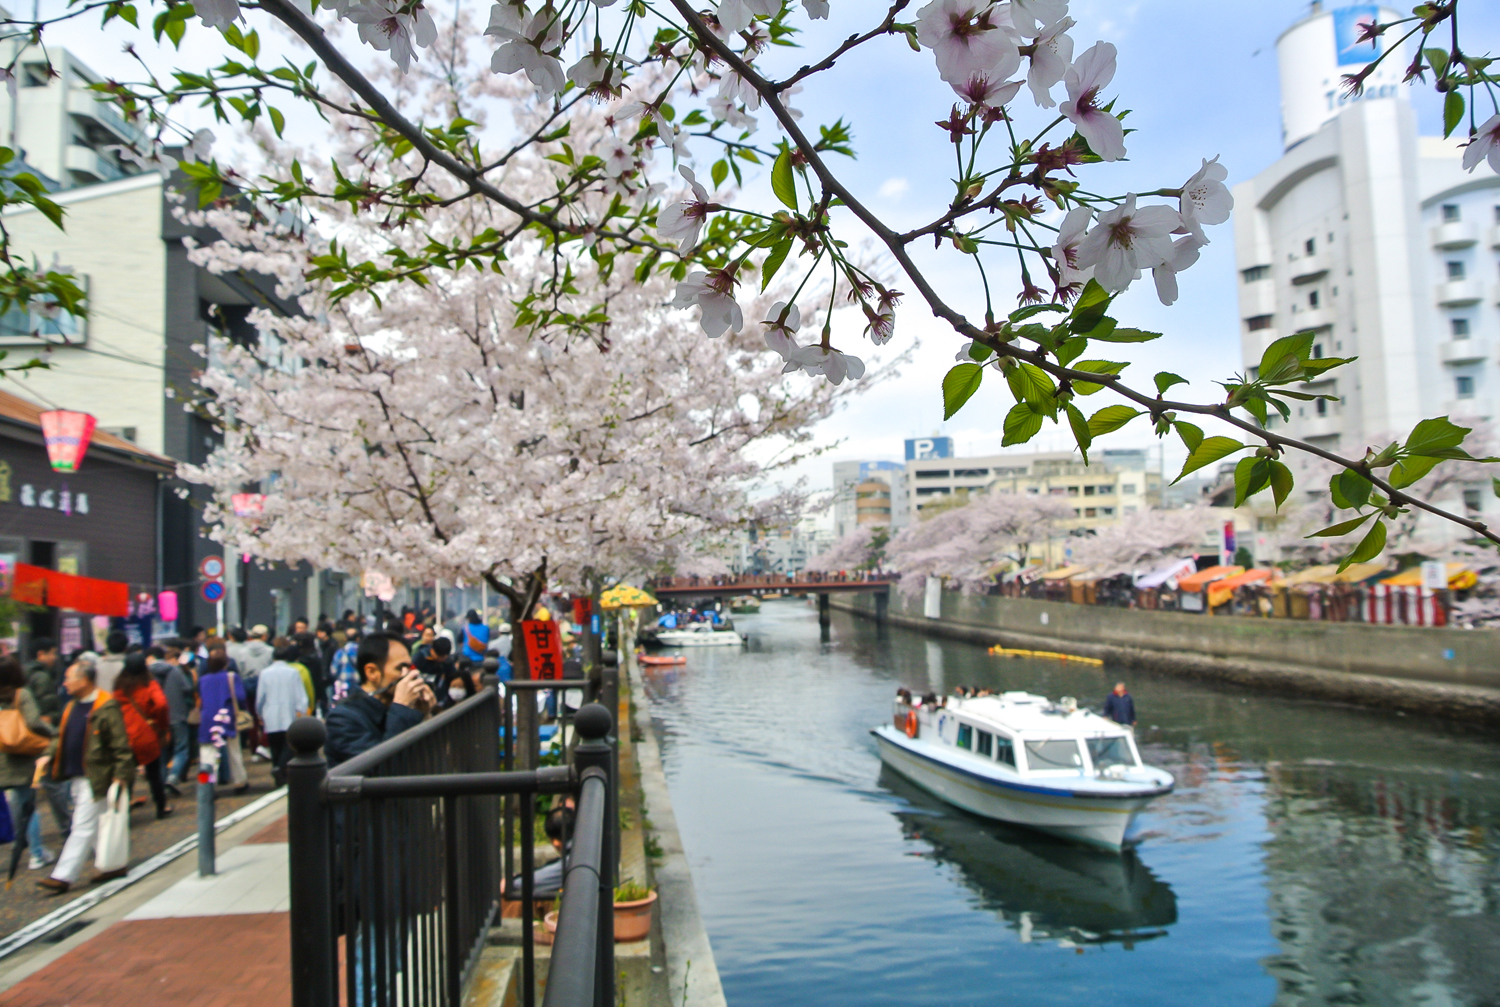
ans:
(543, 648)
(212, 567)
(213, 590)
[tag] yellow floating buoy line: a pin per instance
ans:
(1000, 651)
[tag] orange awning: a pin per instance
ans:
(37, 585)
(1221, 591)
(1198, 581)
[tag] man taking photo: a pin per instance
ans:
(392, 698)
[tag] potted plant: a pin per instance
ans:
(633, 904)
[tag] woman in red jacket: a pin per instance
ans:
(145, 708)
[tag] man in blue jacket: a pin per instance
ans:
(392, 698)
(1119, 707)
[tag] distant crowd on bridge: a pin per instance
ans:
(804, 581)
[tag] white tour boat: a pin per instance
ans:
(699, 634)
(1019, 758)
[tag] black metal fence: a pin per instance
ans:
(396, 861)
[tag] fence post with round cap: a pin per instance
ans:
(310, 868)
(594, 723)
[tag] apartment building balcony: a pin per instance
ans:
(1458, 293)
(1455, 234)
(1314, 318)
(1464, 351)
(86, 104)
(87, 161)
(1468, 410)
(1319, 426)
(1309, 267)
(1258, 298)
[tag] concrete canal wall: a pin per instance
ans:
(1450, 673)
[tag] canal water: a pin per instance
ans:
(1310, 854)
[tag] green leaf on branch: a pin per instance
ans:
(1125, 336)
(1251, 476)
(1283, 359)
(959, 385)
(1369, 547)
(1111, 418)
(1089, 309)
(1453, 111)
(1021, 314)
(1070, 348)
(1349, 489)
(1281, 483)
(1495, 485)
(783, 180)
(1191, 435)
(1206, 453)
(1022, 423)
(1434, 435)
(719, 172)
(1029, 383)
(1081, 432)
(1095, 367)
(1166, 379)
(278, 121)
(1342, 528)
(1412, 468)
(773, 262)
(1437, 59)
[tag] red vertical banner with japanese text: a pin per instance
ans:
(543, 648)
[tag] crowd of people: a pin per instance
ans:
(71, 725)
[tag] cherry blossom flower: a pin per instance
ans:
(619, 157)
(966, 38)
(1085, 79)
(1054, 52)
(508, 18)
(830, 363)
(738, 90)
(1127, 240)
(683, 220)
(534, 51)
(735, 15)
(200, 145)
(1031, 16)
(1065, 251)
(1484, 146)
(648, 113)
(781, 328)
(727, 111)
(217, 14)
(1205, 199)
(1184, 254)
(816, 9)
(980, 90)
(593, 68)
(679, 142)
(714, 293)
(385, 26)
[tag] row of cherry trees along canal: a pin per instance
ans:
(502, 379)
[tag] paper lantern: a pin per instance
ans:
(166, 605)
(248, 504)
(67, 435)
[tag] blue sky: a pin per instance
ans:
(1201, 80)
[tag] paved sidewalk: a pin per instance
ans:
(222, 941)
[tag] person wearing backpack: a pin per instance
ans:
(144, 707)
(24, 735)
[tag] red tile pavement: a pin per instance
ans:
(198, 961)
(273, 833)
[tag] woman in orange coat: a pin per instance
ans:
(144, 706)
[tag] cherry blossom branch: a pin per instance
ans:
(852, 42)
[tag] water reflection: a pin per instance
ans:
(1043, 888)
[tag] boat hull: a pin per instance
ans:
(1101, 821)
(715, 639)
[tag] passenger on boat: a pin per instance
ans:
(930, 700)
(904, 695)
(1119, 706)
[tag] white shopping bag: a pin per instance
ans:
(114, 830)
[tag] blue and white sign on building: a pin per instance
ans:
(922, 448)
(1348, 22)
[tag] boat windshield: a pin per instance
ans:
(1108, 752)
(1053, 755)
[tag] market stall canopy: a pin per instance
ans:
(1221, 591)
(1162, 574)
(1313, 575)
(1196, 582)
(1064, 572)
(1360, 572)
(35, 585)
(1460, 577)
(625, 596)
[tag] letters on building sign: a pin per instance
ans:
(47, 498)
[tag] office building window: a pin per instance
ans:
(1128, 488)
(1310, 246)
(1258, 322)
(1312, 300)
(1450, 212)
(1106, 491)
(1455, 270)
(1317, 351)
(1088, 491)
(1459, 327)
(1091, 512)
(1072, 491)
(1465, 386)
(1322, 407)
(1255, 273)
(1107, 511)
(1473, 500)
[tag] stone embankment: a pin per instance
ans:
(1449, 673)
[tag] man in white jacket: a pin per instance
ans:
(280, 698)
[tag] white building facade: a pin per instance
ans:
(1375, 239)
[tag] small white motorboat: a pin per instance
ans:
(1019, 758)
(699, 634)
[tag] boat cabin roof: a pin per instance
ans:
(1025, 713)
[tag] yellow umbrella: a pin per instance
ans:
(625, 596)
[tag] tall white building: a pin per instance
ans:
(868, 493)
(1375, 239)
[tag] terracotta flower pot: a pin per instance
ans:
(548, 933)
(633, 919)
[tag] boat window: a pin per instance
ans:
(1053, 755)
(1110, 752)
(986, 743)
(965, 736)
(1005, 750)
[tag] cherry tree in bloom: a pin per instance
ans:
(966, 543)
(1146, 539)
(852, 552)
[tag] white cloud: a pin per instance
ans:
(894, 188)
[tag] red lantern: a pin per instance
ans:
(248, 504)
(67, 435)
